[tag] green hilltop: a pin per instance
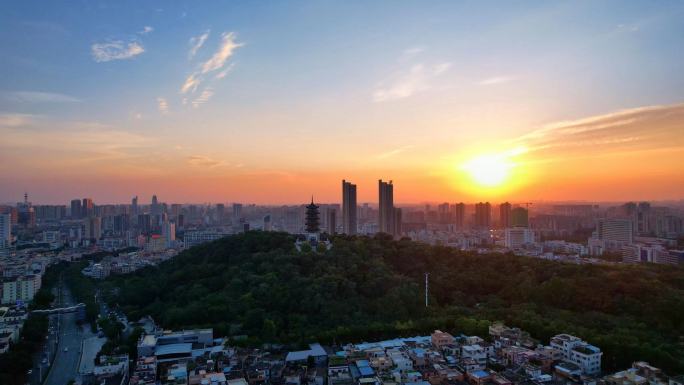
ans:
(257, 284)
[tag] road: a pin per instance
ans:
(65, 364)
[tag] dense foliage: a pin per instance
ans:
(257, 284)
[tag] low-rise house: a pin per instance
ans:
(440, 339)
(581, 353)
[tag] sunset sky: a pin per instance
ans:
(270, 102)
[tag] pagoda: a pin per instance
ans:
(312, 218)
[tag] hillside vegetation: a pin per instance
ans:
(257, 284)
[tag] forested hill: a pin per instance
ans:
(363, 288)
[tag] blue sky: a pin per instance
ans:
(423, 79)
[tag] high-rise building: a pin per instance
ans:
(458, 214)
(87, 208)
(145, 224)
(26, 213)
(332, 221)
(237, 212)
(169, 233)
(614, 230)
(386, 207)
(349, 224)
(134, 205)
(268, 225)
(93, 227)
(483, 216)
(220, 212)
(519, 217)
(76, 209)
(5, 231)
(443, 213)
(154, 208)
(505, 215)
(397, 221)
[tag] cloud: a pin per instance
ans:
(163, 105)
(225, 51)
(197, 42)
(203, 161)
(495, 80)
(638, 129)
(217, 62)
(405, 84)
(15, 120)
(413, 51)
(394, 152)
(225, 72)
(39, 97)
(115, 50)
(191, 83)
(203, 98)
(146, 29)
(56, 144)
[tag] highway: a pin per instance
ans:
(65, 364)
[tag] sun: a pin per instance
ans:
(491, 170)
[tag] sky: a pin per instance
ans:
(271, 102)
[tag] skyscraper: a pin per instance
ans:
(505, 215)
(349, 208)
(220, 212)
(483, 215)
(458, 214)
(76, 209)
(519, 217)
(397, 221)
(386, 207)
(332, 221)
(237, 212)
(5, 230)
(268, 226)
(154, 208)
(443, 212)
(134, 205)
(87, 208)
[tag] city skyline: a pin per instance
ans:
(243, 102)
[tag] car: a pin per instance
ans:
(44, 361)
(66, 349)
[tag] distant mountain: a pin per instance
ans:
(257, 284)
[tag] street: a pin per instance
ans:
(68, 352)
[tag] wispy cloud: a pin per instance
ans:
(191, 83)
(394, 152)
(146, 29)
(162, 105)
(225, 72)
(115, 50)
(203, 161)
(413, 51)
(196, 43)
(218, 63)
(407, 83)
(10, 120)
(495, 80)
(39, 97)
(637, 129)
(204, 97)
(225, 51)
